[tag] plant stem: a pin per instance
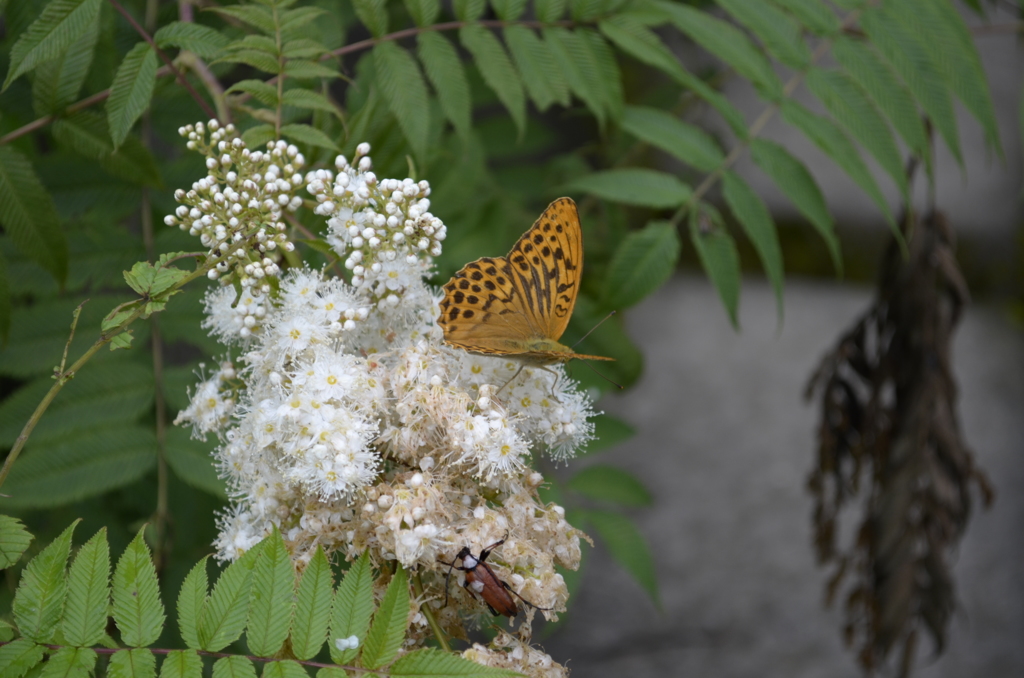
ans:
(442, 639)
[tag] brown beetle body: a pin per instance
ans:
(481, 580)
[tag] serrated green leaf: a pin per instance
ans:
(468, 10)
(84, 464)
(137, 610)
(445, 71)
(87, 133)
(642, 263)
(633, 186)
(284, 669)
(39, 598)
(304, 98)
(257, 59)
(608, 483)
(727, 43)
(331, 672)
(18, 657)
(295, 19)
(779, 33)
(261, 91)
(389, 624)
(423, 12)
(890, 95)
(632, 37)
(14, 539)
(906, 54)
(192, 462)
(58, 26)
(308, 135)
(686, 142)
(431, 663)
(400, 81)
(608, 432)
(57, 82)
(306, 70)
(85, 608)
(797, 183)
(131, 91)
(627, 546)
(303, 48)
(137, 663)
(849, 105)
(544, 81)
(201, 40)
(234, 667)
(497, 71)
(837, 146)
(609, 79)
(223, 617)
(508, 10)
(352, 608)
(70, 662)
(573, 57)
(270, 601)
(260, 43)
(191, 601)
(181, 664)
(549, 11)
(261, 18)
(813, 14)
(373, 14)
(312, 607)
(757, 223)
(28, 215)
(258, 135)
(721, 261)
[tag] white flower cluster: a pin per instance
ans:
(353, 427)
(236, 209)
(508, 651)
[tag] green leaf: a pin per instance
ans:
(60, 24)
(259, 135)
(39, 598)
(389, 624)
(312, 607)
(837, 146)
(85, 608)
(303, 48)
(423, 12)
(259, 90)
(431, 663)
(643, 261)
(797, 183)
(904, 51)
(5, 302)
(284, 669)
(353, 606)
(508, 10)
(131, 91)
(309, 70)
(862, 64)
(686, 142)
(261, 18)
(18, 657)
(400, 81)
(779, 33)
(83, 464)
(549, 11)
(717, 253)
(234, 667)
(138, 610)
(295, 19)
(445, 71)
(608, 432)
(497, 70)
(573, 57)
(851, 107)
(627, 546)
(223, 617)
(728, 44)
(87, 133)
(633, 186)
(373, 14)
(468, 10)
(608, 483)
(201, 40)
(609, 78)
(137, 663)
(270, 600)
(304, 98)
(28, 215)
(14, 540)
(57, 82)
(257, 59)
(331, 672)
(70, 662)
(181, 664)
(635, 39)
(191, 461)
(757, 223)
(310, 136)
(544, 80)
(814, 14)
(191, 601)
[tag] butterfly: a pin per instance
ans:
(519, 305)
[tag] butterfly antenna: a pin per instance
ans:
(592, 330)
(587, 363)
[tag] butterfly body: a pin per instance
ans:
(519, 305)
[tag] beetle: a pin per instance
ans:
(480, 579)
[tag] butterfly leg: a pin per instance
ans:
(554, 384)
(510, 380)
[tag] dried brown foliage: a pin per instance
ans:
(890, 441)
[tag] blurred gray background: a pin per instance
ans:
(725, 444)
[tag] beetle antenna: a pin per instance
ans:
(447, 579)
(610, 314)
